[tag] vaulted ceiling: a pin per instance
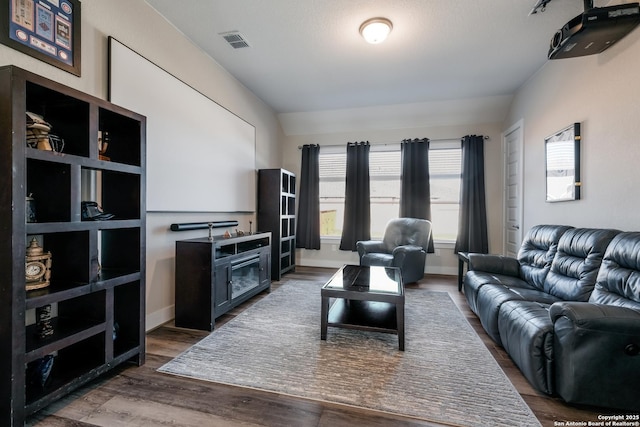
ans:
(308, 56)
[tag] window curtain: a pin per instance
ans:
(415, 190)
(308, 226)
(472, 224)
(357, 211)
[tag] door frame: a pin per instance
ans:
(516, 127)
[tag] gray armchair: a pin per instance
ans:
(404, 245)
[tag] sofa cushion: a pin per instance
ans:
(537, 251)
(474, 280)
(618, 281)
(526, 332)
(406, 231)
(575, 267)
(492, 297)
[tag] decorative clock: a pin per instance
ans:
(38, 267)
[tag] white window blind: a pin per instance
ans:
(385, 173)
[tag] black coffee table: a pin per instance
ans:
(364, 298)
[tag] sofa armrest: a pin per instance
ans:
(407, 249)
(596, 350)
(598, 317)
(496, 264)
(411, 260)
(368, 246)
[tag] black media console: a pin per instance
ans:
(215, 275)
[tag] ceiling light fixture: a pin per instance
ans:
(375, 30)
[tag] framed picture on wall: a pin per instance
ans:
(48, 30)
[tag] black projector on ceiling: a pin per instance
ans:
(595, 30)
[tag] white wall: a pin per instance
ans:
(444, 260)
(603, 93)
(137, 25)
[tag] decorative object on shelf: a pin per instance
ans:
(38, 266)
(30, 209)
(49, 33)
(239, 233)
(226, 235)
(38, 134)
(43, 321)
(103, 144)
(250, 224)
(39, 371)
(91, 211)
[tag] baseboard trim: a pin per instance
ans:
(160, 317)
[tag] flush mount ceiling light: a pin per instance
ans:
(375, 30)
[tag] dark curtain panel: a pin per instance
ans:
(415, 191)
(308, 227)
(472, 225)
(357, 211)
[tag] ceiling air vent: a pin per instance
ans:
(235, 39)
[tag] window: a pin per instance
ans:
(384, 172)
(445, 171)
(332, 170)
(384, 179)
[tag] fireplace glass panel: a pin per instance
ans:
(245, 275)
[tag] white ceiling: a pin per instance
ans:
(307, 55)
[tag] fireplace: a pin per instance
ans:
(245, 275)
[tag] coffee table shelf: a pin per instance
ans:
(373, 316)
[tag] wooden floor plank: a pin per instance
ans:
(132, 395)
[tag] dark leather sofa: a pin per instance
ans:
(567, 311)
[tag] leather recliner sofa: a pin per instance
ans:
(567, 338)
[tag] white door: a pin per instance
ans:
(513, 164)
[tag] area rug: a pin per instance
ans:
(445, 374)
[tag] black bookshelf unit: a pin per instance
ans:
(94, 301)
(277, 214)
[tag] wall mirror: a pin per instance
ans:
(562, 151)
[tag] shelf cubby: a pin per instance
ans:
(73, 366)
(124, 137)
(119, 192)
(67, 115)
(49, 183)
(126, 303)
(120, 250)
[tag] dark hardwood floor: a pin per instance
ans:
(139, 396)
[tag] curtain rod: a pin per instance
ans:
(393, 143)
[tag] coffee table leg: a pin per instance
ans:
(400, 323)
(324, 318)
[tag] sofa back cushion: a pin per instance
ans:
(406, 231)
(574, 269)
(538, 248)
(618, 281)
